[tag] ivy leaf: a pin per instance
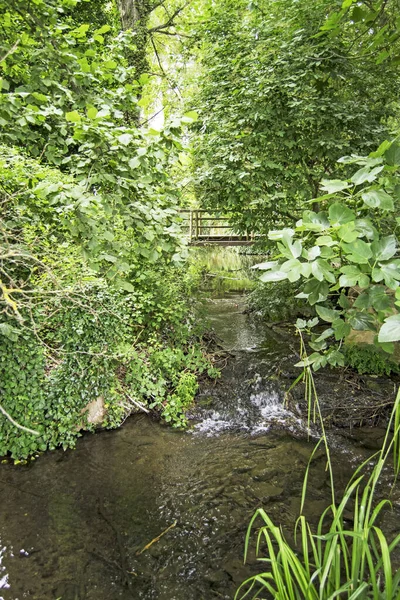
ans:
(327, 314)
(313, 253)
(9, 332)
(324, 335)
(390, 330)
(190, 117)
(348, 232)
(92, 112)
(325, 240)
(317, 291)
(391, 274)
(362, 321)
(350, 276)
(341, 329)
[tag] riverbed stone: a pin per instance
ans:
(95, 411)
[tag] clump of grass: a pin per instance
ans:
(336, 561)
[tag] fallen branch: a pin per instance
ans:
(156, 539)
(138, 404)
(9, 417)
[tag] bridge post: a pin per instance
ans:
(191, 225)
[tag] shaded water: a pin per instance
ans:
(73, 524)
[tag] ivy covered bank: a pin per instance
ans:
(95, 310)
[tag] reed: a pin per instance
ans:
(335, 561)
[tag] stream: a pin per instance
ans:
(78, 525)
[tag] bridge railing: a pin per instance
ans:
(204, 228)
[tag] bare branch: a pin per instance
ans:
(170, 22)
(9, 417)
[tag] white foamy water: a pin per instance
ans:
(256, 414)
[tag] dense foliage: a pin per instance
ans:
(282, 101)
(93, 296)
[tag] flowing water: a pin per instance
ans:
(79, 524)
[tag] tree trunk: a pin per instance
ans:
(134, 15)
(129, 13)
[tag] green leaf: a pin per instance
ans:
(266, 265)
(325, 240)
(125, 285)
(358, 251)
(317, 291)
(390, 330)
(340, 214)
(273, 276)
(391, 273)
(378, 199)
(293, 269)
(348, 232)
(366, 174)
(313, 253)
(281, 234)
(392, 155)
(190, 117)
(327, 314)
(111, 65)
(73, 116)
(365, 228)
(9, 331)
(384, 248)
(125, 139)
(350, 276)
(362, 321)
(326, 334)
(341, 329)
(103, 29)
(134, 163)
(332, 186)
(92, 112)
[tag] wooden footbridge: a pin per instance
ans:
(206, 229)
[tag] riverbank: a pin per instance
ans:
(75, 525)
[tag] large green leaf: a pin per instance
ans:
(341, 329)
(273, 276)
(390, 330)
(366, 175)
(378, 199)
(327, 314)
(391, 273)
(265, 266)
(358, 251)
(384, 248)
(350, 276)
(317, 291)
(332, 186)
(340, 214)
(392, 155)
(362, 321)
